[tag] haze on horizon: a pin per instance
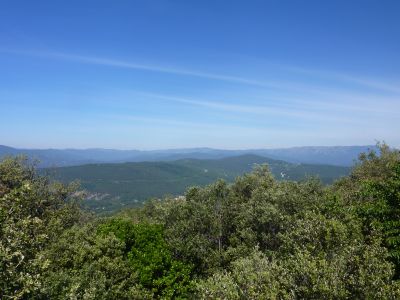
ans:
(178, 74)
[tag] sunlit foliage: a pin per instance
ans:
(257, 238)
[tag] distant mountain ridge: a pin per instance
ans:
(335, 155)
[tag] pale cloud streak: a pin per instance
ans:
(146, 67)
(294, 86)
(322, 104)
(366, 82)
(295, 112)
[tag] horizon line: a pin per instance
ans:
(190, 148)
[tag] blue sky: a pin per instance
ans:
(223, 74)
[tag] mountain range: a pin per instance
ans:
(336, 155)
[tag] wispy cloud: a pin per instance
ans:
(146, 67)
(262, 110)
(164, 123)
(226, 135)
(285, 85)
(322, 103)
(343, 77)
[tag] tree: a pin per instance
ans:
(373, 189)
(33, 212)
(150, 257)
(83, 264)
(380, 209)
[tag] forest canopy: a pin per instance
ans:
(257, 238)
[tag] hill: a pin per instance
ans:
(112, 186)
(337, 155)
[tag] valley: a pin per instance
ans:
(114, 186)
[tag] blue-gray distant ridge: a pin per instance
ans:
(331, 155)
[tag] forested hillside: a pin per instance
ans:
(114, 186)
(255, 238)
(331, 155)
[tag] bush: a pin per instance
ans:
(33, 212)
(150, 257)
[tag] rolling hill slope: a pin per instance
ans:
(113, 186)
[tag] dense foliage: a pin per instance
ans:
(257, 238)
(151, 258)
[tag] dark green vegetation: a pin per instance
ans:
(256, 238)
(113, 186)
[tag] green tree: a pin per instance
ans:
(33, 212)
(373, 190)
(380, 209)
(83, 264)
(150, 257)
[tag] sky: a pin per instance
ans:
(157, 74)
